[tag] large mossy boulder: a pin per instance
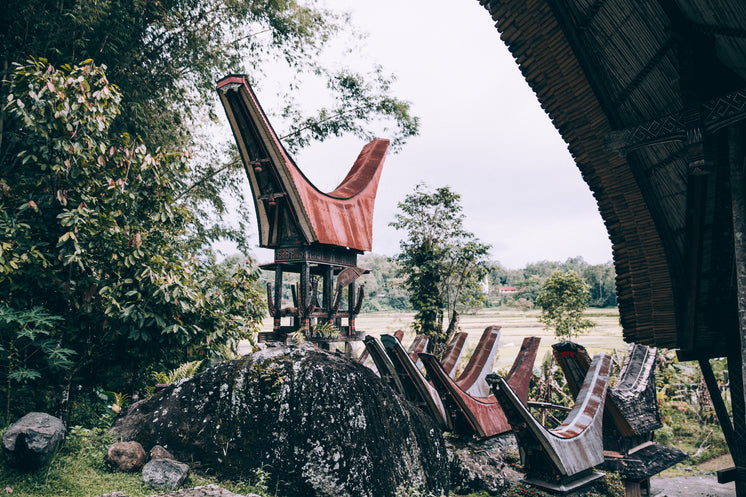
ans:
(320, 423)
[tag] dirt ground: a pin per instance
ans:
(691, 486)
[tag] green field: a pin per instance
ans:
(605, 337)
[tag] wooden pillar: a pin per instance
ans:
(278, 300)
(637, 488)
(737, 357)
(717, 401)
(328, 298)
(351, 308)
(304, 299)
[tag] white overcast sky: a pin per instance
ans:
(483, 134)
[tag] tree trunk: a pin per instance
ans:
(63, 408)
(452, 326)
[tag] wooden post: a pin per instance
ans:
(717, 400)
(278, 300)
(737, 358)
(304, 299)
(634, 489)
(328, 291)
(351, 308)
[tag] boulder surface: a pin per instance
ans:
(164, 474)
(125, 456)
(484, 465)
(30, 442)
(320, 423)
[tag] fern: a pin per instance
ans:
(179, 373)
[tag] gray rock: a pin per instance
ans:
(125, 456)
(31, 441)
(484, 465)
(164, 474)
(159, 452)
(114, 494)
(321, 423)
(204, 491)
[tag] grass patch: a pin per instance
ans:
(78, 470)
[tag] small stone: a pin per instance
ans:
(114, 494)
(31, 441)
(125, 456)
(159, 452)
(164, 474)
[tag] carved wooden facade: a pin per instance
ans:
(630, 415)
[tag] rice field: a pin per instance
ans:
(604, 337)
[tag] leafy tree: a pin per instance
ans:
(563, 298)
(28, 349)
(166, 55)
(442, 263)
(529, 280)
(602, 281)
(383, 285)
(102, 211)
(91, 233)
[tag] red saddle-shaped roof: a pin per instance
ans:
(290, 210)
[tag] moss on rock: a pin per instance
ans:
(320, 423)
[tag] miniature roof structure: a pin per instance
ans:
(644, 94)
(290, 210)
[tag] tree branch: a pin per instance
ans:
(204, 179)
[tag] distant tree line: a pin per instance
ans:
(385, 290)
(528, 281)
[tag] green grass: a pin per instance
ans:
(78, 470)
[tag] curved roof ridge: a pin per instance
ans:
(342, 217)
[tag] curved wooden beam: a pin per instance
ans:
(482, 416)
(569, 452)
(365, 356)
(453, 353)
(419, 345)
(384, 367)
(416, 387)
(632, 404)
(480, 364)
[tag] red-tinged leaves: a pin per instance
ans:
(102, 210)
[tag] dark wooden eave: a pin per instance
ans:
(643, 92)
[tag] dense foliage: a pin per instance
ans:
(93, 238)
(166, 56)
(563, 298)
(442, 264)
(384, 287)
(106, 214)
